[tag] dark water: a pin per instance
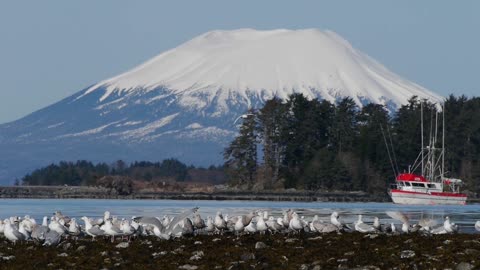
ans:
(464, 216)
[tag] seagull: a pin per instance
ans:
(449, 227)
(362, 227)
(251, 228)
(273, 225)
(198, 222)
(111, 229)
(334, 220)
(74, 228)
(56, 226)
(220, 223)
(22, 230)
(393, 228)
(93, 231)
(376, 224)
(239, 227)
(2, 226)
(39, 231)
(400, 217)
(60, 216)
(210, 226)
(52, 238)
(295, 223)
(127, 229)
(261, 225)
(12, 233)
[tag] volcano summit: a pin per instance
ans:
(183, 102)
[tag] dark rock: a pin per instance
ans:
(406, 254)
(188, 267)
(67, 246)
(123, 245)
(197, 255)
(248, 256)
(8, 258)
(260, 245)
(470, 251)
(303, 267)
(464, 266)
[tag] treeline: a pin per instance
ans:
(318, 145)
(86, 173)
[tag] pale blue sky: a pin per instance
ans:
(52, 49)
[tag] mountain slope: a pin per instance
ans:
(183, 102)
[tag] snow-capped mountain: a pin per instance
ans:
(183, 102)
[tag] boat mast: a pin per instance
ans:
(421, 121)
(442, 171)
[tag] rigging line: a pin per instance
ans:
(388, 152)
(393, 149)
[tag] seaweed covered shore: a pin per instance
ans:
(302, 251)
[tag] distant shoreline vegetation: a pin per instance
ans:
(124, 178)
(301, 144)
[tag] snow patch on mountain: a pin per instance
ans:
(88, 132)
(148, 129)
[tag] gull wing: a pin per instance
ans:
(397, 216)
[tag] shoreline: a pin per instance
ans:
(85, 192)
(82, 192)
(309, 251)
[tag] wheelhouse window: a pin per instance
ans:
(418, 185)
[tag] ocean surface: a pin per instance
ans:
(465, 216)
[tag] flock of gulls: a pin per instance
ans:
(52, 230)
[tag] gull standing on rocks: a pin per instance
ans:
(11, 233)
(210, 226)
(295, 223)
(74, 228)
(111, 229)
(362, 227)
(220, 223)
(127, 229)
(261, 225)
(252, 227)
(273, 225)
(93, 231)
(198, 222)
(239, 227)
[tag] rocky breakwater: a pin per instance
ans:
(278, 251)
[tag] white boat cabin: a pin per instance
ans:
(416, 183)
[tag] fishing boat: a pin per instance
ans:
(425, 182)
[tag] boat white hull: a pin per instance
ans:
(406, 197)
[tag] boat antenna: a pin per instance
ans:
(421, 121)
(442, 171)
(393, 149)
(388, 152)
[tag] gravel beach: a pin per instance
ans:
(302, 251)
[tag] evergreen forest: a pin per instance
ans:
(317, 145)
